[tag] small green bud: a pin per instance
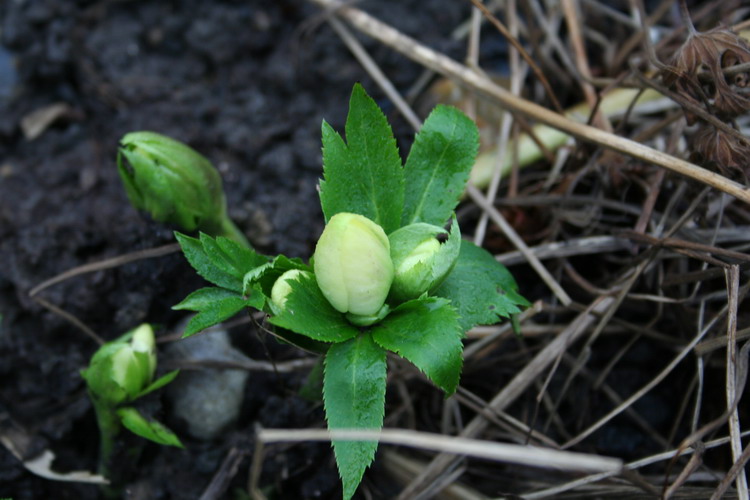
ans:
(282, 288)
(353, 265)
(421, 262)
(143, 342)
(123, 368)
(174, 183)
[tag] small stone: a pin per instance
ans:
(207, 400)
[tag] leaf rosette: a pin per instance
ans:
(385, 276)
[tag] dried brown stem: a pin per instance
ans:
(448, 67)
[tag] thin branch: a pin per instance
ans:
(70, 319)
(526, 57)
(501, 452)
(733, 285)
(646, 388)
(637, 464)
(118, 261)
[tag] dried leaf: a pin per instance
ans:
(697, 73)
(35, 123)
(721, 151)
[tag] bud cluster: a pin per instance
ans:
(359, 268)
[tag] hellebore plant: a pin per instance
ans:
(120, 372)
(385, 277)
(174, 184)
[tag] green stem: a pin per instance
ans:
(109, 428)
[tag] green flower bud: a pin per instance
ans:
(123, 368)
(143, 342)
(353, 265)
(174, 183)
(282, 288)
(420, 261)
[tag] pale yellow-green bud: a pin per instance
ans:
(126, 371)
(122, 369)
(133, 365)
(143, 341)
(282, 288)
(421, 262)
(422, 253)
(353, 265)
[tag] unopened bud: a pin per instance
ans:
(353, 264)
(282, 287)
(122, 369)
(174, 184)
(421, 262)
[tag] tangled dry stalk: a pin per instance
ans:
(634, 351)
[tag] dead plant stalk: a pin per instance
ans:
(482, 84)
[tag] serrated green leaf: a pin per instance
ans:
(267, 276)
(232, 258)
(204, 298)
(254, 275)
(158, 383)
(426, 331)
(438, 166)
(354, 398)
(241, 258)
(215, 305)
(254, 297)
(149, 429)
(196, 255)
(480, 288)
(364, 175)
(307, 312)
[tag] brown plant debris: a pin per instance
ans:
(716, 149)
(701, 73)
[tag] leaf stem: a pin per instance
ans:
(685, 14)
(109, 427)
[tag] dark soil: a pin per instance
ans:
(245, 83)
